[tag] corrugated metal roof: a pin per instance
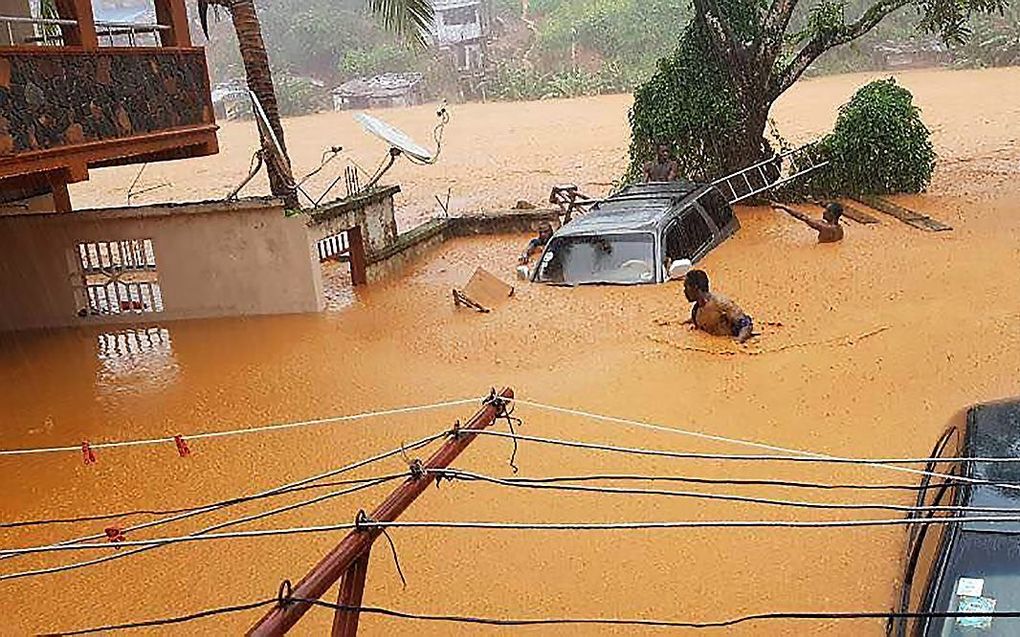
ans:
(636, 208)
(385, 85)
(446, 5)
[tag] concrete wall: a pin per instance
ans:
(419, 241)
(372, 212)
(213, 259)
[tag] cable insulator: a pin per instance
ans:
(88, 456)
(182, 446)
(114, 534)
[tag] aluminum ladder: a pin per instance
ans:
(770, 173)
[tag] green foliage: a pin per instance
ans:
(879, 145)
(299, 96)
(373, 60)
(690, 103)
(994, 41)
(631, 34)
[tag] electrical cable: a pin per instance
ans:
(517, 526)
(350, 467)
(262, 428)
(711, 456)
(720, 481)
(728, 497)
(157, 512)
(220, 505)
(545, 621)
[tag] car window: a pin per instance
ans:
(575, 260)
(717, 207)
(983, 574)
(695, 232)
(684, 237)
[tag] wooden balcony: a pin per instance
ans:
(68, 103)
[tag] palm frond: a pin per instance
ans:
(411, 20)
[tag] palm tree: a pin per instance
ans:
(409, 19)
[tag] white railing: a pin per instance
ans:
(47, 32)
(44, 30)
(129, 33)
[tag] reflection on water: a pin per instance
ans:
(135, 360)
(337, 288)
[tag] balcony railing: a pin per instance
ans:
(47, 32)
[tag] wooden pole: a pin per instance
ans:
(356, 545)
(352, 590)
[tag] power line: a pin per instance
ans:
(66, 567)
(720, 481)
(523, 483)
(231, 432)
(549, 621)
(708, 456)
(220, 505)
(520, 526)
(691, 455)
(137, 512)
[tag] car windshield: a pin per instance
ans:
(983, 575)
(625, 259)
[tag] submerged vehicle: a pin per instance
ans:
(968, 567)
(639, 235)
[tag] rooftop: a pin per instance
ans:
(636, 208)
(379, 85)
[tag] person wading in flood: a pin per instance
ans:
(829, 230)
(663, 167)
(714, 313)
(545, 232)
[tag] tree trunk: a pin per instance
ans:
(260, 81)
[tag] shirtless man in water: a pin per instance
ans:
(536, 245)
(829, 230)
(663, 167)
(714, 313)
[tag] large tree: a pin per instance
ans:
(712, 96)
(410, 19)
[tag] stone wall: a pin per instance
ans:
(53, 98)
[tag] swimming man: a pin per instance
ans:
(829, 230)
(714, 313)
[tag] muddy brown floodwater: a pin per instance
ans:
(868, 348)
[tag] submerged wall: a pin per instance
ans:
(210, 259)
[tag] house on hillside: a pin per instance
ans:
(381, 91)
(462, 28)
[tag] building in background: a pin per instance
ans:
(462, 29)
(381, 91)
(77, 92)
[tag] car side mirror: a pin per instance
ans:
(679, 269)
(523, 273)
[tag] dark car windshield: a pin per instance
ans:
(624, 258)
(983, 575)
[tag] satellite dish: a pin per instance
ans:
(394, 137)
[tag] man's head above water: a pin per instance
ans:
(695, 285)
(833, 211)
(545, 230)
(662, 152)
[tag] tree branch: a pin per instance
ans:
(774, 28)
(724, 41)
(784, 79)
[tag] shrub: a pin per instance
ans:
(879, 145)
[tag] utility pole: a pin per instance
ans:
(349, 559)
